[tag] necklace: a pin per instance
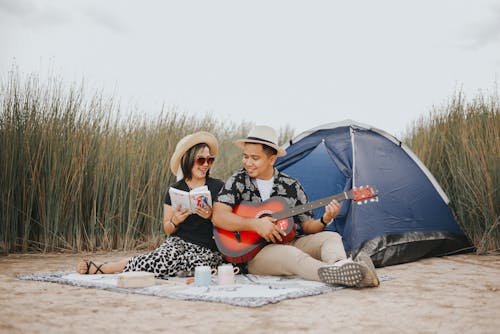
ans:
(193, 186)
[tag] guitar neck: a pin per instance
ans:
(310, 206)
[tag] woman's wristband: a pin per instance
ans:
(173, 224)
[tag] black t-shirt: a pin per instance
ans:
(195, 229)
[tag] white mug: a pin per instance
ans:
(203, 275)
(225, 274)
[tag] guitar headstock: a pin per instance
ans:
(363, 194)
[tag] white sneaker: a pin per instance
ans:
(344, 272)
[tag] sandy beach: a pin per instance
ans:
(438, 295)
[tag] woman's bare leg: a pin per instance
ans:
(106, 268)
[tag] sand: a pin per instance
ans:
(439, 295)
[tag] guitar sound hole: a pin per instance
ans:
(264, 213)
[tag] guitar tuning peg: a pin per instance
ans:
(359, 203)
(366, 201)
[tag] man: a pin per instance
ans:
(315, 254)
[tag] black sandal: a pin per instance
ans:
(90, 264)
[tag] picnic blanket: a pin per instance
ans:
(249, 290)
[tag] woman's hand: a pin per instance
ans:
(180, 215)
(204, 212)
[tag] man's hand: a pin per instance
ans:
(331, 210)
(268, 230)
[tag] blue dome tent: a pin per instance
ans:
(411, 219)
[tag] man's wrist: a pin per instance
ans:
(322, 221)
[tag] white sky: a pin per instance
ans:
(301, 63)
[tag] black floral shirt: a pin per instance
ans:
(241, 187)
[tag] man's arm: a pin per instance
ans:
(224, 218)
(312, 226)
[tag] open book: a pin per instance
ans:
(198, 197)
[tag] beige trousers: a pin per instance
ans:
(302, 256)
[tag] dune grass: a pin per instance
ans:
(460, 144)
(76, 175)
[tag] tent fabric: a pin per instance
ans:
(411, 219)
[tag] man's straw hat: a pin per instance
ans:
(262, 134)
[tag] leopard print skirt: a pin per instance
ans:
(175, 257)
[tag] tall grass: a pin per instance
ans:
(460, 144)
(75, 174)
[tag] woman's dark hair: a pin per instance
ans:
(187, 161)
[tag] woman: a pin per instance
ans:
(190, 242)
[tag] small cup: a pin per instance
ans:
(225, 274)
(203, 275)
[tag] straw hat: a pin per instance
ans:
(262, 134)
(185, 144)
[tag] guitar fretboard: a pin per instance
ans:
(310, 206)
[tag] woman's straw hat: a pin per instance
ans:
(262, 134)
(186, 143)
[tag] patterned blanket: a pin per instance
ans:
(249, 290)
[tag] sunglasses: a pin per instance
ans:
(201, 160)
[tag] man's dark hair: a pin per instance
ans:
(269, 150)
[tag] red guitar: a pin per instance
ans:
(242, 246)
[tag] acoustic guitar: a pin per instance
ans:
(242, 246)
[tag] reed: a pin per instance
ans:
(76, 175)
(460, 144)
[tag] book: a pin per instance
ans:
(135, 279)
(198, 197)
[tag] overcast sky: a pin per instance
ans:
(301, 63)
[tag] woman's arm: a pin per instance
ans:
(173, 218)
